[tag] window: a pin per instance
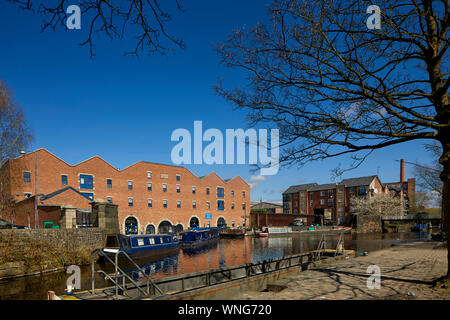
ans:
(322, 202)
(178, 177)
(311, 196)
(149, 203)
(109, 199)
(362, 191)
(243, 206)
(295, 204)
(109, 183)
(207, 191)
(232, 206)
(193, 190)
(164, 187)
(194, 204)
(149, 186)
(64, 180)
(232, 193)
(178, 188)
(310, 203)
(27, 195)
(322, 193)
(178, 204)
(149, 174)
(90, 195)
(27, 177)
(86, 181)
(220, 192)
(352, 189)
(130, 185)
(208, 205)
(130, 202)
(220, 205)
(164, 203)
(243, 194)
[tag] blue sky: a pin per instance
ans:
(124, 109)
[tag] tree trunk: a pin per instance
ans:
(445, 177)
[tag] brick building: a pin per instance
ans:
(331, 202)
(151, 197)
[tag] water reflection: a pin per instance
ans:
(222, 253)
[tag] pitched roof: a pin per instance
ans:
(360, 181)
(300, 187)
(51, 195)
(265, 205)
(327, 186)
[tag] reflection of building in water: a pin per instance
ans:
(227, 252)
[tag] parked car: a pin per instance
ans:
(296, 223)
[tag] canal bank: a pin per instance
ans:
(408, 270)
(225, 253)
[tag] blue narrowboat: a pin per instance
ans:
(198, 236)
(141, 246)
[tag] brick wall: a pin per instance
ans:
(277, 219)
(50, 169)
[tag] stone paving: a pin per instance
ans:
(407, 272)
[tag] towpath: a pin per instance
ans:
(407, 272)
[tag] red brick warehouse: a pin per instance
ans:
(150, 196)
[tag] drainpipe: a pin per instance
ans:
(36, 222)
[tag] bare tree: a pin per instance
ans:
(379, 204)
(335, 87)
(146, 19)
(15, 135)
(428, 176)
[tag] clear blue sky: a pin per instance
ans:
(124, 109)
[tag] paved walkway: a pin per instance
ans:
(407, 272)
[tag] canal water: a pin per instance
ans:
(223, 253)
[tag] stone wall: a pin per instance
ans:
(86, 237)
(370, 223)
(36, 251)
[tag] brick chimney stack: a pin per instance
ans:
(402, 170)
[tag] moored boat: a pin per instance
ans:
(197, 236)
(140, 246)
(264, 232)
(232, 232)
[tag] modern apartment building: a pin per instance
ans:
(151, 197)
(331, 202)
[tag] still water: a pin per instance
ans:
(223, 253)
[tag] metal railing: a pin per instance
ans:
(119, 274)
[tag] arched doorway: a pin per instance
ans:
(194, 222)
(221, 222)
(165, 227)
(179, 228)
(131, 225)
(150, 229)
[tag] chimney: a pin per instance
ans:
(402, 170)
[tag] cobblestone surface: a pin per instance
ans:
(407, 272)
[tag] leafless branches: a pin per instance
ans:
(145, 20)
(14, 132)
(333, 86)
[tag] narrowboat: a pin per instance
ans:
(198, 236)
(140, 246)
(232, 232)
